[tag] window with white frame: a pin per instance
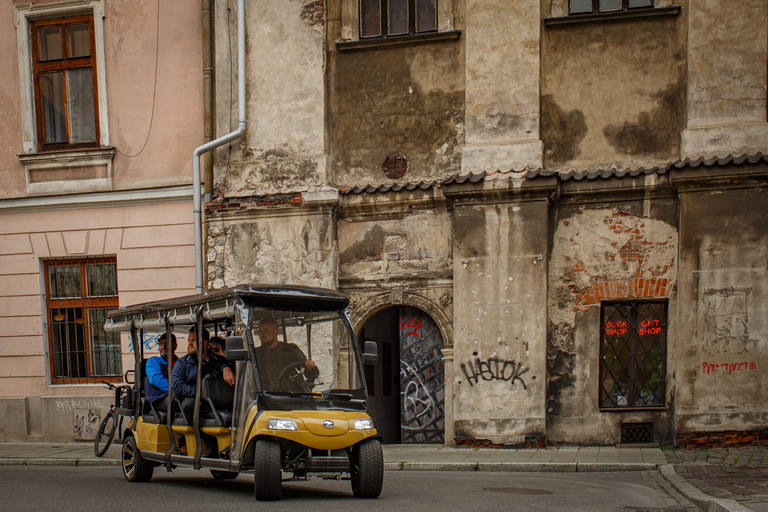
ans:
(61, 71)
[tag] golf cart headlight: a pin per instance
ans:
(281, 424)
(363, 424)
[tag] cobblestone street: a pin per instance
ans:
(739, 474)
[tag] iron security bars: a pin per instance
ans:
(78, 295)
(633, 354)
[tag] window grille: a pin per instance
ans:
(633, 354)
(78, 295)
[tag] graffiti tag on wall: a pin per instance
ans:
(150, 341)
(708, 368)
(726, 323)
(87, 424)
(422, 380)
(73, 404)
(494, 369)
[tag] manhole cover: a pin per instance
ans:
(516, 490)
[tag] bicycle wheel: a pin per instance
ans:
(105, 434)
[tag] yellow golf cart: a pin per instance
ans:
(298, 414)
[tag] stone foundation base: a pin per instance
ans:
(528, 442)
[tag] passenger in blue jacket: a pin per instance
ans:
(185, 378)
(157, 372)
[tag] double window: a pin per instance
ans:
(63, 67)
(79, 293)
(598, 6)
(633, 354)
(382, 18)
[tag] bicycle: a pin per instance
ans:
(113, 419)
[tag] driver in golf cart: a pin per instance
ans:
(280, 364)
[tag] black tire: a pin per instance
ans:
(266, 475)
(367, 469)
(105, 435)
(224, 475)
(135, 468)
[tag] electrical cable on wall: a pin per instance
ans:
(154, 88)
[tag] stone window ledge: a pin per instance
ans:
(576, 19)
(67, 172)
(378, 43)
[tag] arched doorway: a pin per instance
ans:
(406, 387)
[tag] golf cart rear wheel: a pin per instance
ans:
(367, 469)
(135, 468)
(266, 476)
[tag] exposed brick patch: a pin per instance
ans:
(646, 276)
(528, 443)
(233, 204)
(313, 13)
(722, 439)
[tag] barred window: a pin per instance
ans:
(633, 354)
(78, 295)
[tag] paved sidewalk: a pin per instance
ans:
(732, 480)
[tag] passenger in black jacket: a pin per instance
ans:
(185, 378)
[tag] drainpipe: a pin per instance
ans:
(197, 207)
(207, 113)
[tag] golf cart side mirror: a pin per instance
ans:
(235, 349)
(370, 352)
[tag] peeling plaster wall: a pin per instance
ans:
(273, 249)
(405, 245)
(613, 93)
(499, 320)
(284, 145)
(722, 381)
(599, 254)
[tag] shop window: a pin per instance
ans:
(382, 18)
(597, 6)
(633, 354)
(78, 295)
(63, 68)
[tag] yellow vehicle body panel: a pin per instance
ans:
(154, 438)
(311, 431)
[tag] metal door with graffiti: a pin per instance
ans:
(422, 380)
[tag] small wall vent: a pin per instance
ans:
(637, 433)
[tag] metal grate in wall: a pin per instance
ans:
(637, 433)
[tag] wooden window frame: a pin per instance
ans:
(633, 345)
(596, 8)
(384, 7)
(84, 303)
(63, 64)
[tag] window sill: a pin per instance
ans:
(387, 42)
(68, 172)
(634, 409)
(577, 19)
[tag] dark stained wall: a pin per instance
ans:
(613, 93)
(404, 100)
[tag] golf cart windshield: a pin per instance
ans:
(304, 352)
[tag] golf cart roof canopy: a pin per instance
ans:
(220, 304)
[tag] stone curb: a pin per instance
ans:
(697, 496)
(531, 467)
(58, 462)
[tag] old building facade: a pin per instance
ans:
(548, 214)
(100, 102)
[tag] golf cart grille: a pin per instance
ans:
(636, 433)
(322, 464)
